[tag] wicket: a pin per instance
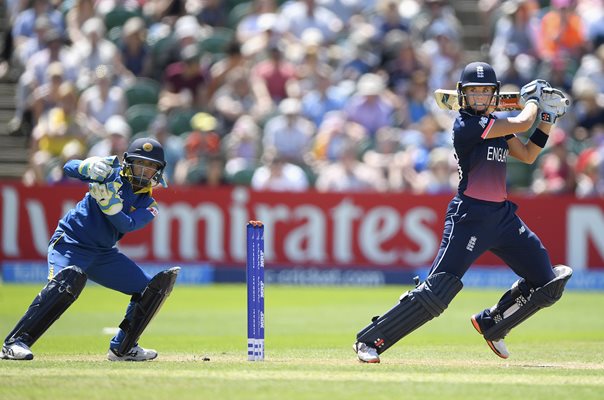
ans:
(255, 291)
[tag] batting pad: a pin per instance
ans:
(414, 309)
(52, 301)
(521, 302)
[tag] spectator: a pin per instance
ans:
(221, 68)
(590, 181)
(592, 68)
(102, 100)
(323, 98)
(516, 29)
(441, 176)
(278, 175)
(335, 132)
(57, 129)
(588, 103)
(96, 51)
(422, 138)
(401, 61)
(201, 145)
(184, 83)
(78, 14)
(117, 138)
(36, 75)
(236, 98)
(443, 49)
(33, 44)
(555, 170)
(369, 107)
(215, 174)
(242, 146)
(274, 75)
(255, 23)
(187, 31)
(24, 25)
(297, 16)
(386, 156)
(561, 33)
(431, 12)
(289, 134)
(348, 174)
(172, 144)
(47, 95)
(133, 48)
(212, 13)
(389, 18)
(418, 98)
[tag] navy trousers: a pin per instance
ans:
(473, 227)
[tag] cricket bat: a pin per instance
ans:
(447, 100)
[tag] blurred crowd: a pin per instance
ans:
(334, 95)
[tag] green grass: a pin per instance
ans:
(557, 354)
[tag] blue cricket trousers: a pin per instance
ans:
(473, 227)
(107, 267)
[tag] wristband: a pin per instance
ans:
(539, 138)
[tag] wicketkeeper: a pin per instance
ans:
(83, 247)
(480, 219)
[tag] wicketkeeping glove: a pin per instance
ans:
(532, 91)
(553, 104)
(106, 196)
(98, 168)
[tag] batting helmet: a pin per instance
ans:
(477, 74)
(146, 149)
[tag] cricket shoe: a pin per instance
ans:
(136, 353)
(16, 351)
(498, 346)
(365, 353)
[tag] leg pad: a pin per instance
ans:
(521, 302)
(414, 309)
(146, 307)
(52, 301)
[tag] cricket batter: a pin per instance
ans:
(83, 247)
(480, 218)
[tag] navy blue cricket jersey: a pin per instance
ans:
(482, 161)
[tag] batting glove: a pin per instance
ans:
(532, 91)
(107, 196)
(98, 168)
(554, 101)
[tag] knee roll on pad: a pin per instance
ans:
(522, 301)
(147, 305)
(52, 301)
(414, 309)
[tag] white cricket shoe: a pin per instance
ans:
(498, 346)
(16, 351)
(136, 353)
(365, 353)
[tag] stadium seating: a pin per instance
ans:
(140, 116)
(143, 91)
(179, 121)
